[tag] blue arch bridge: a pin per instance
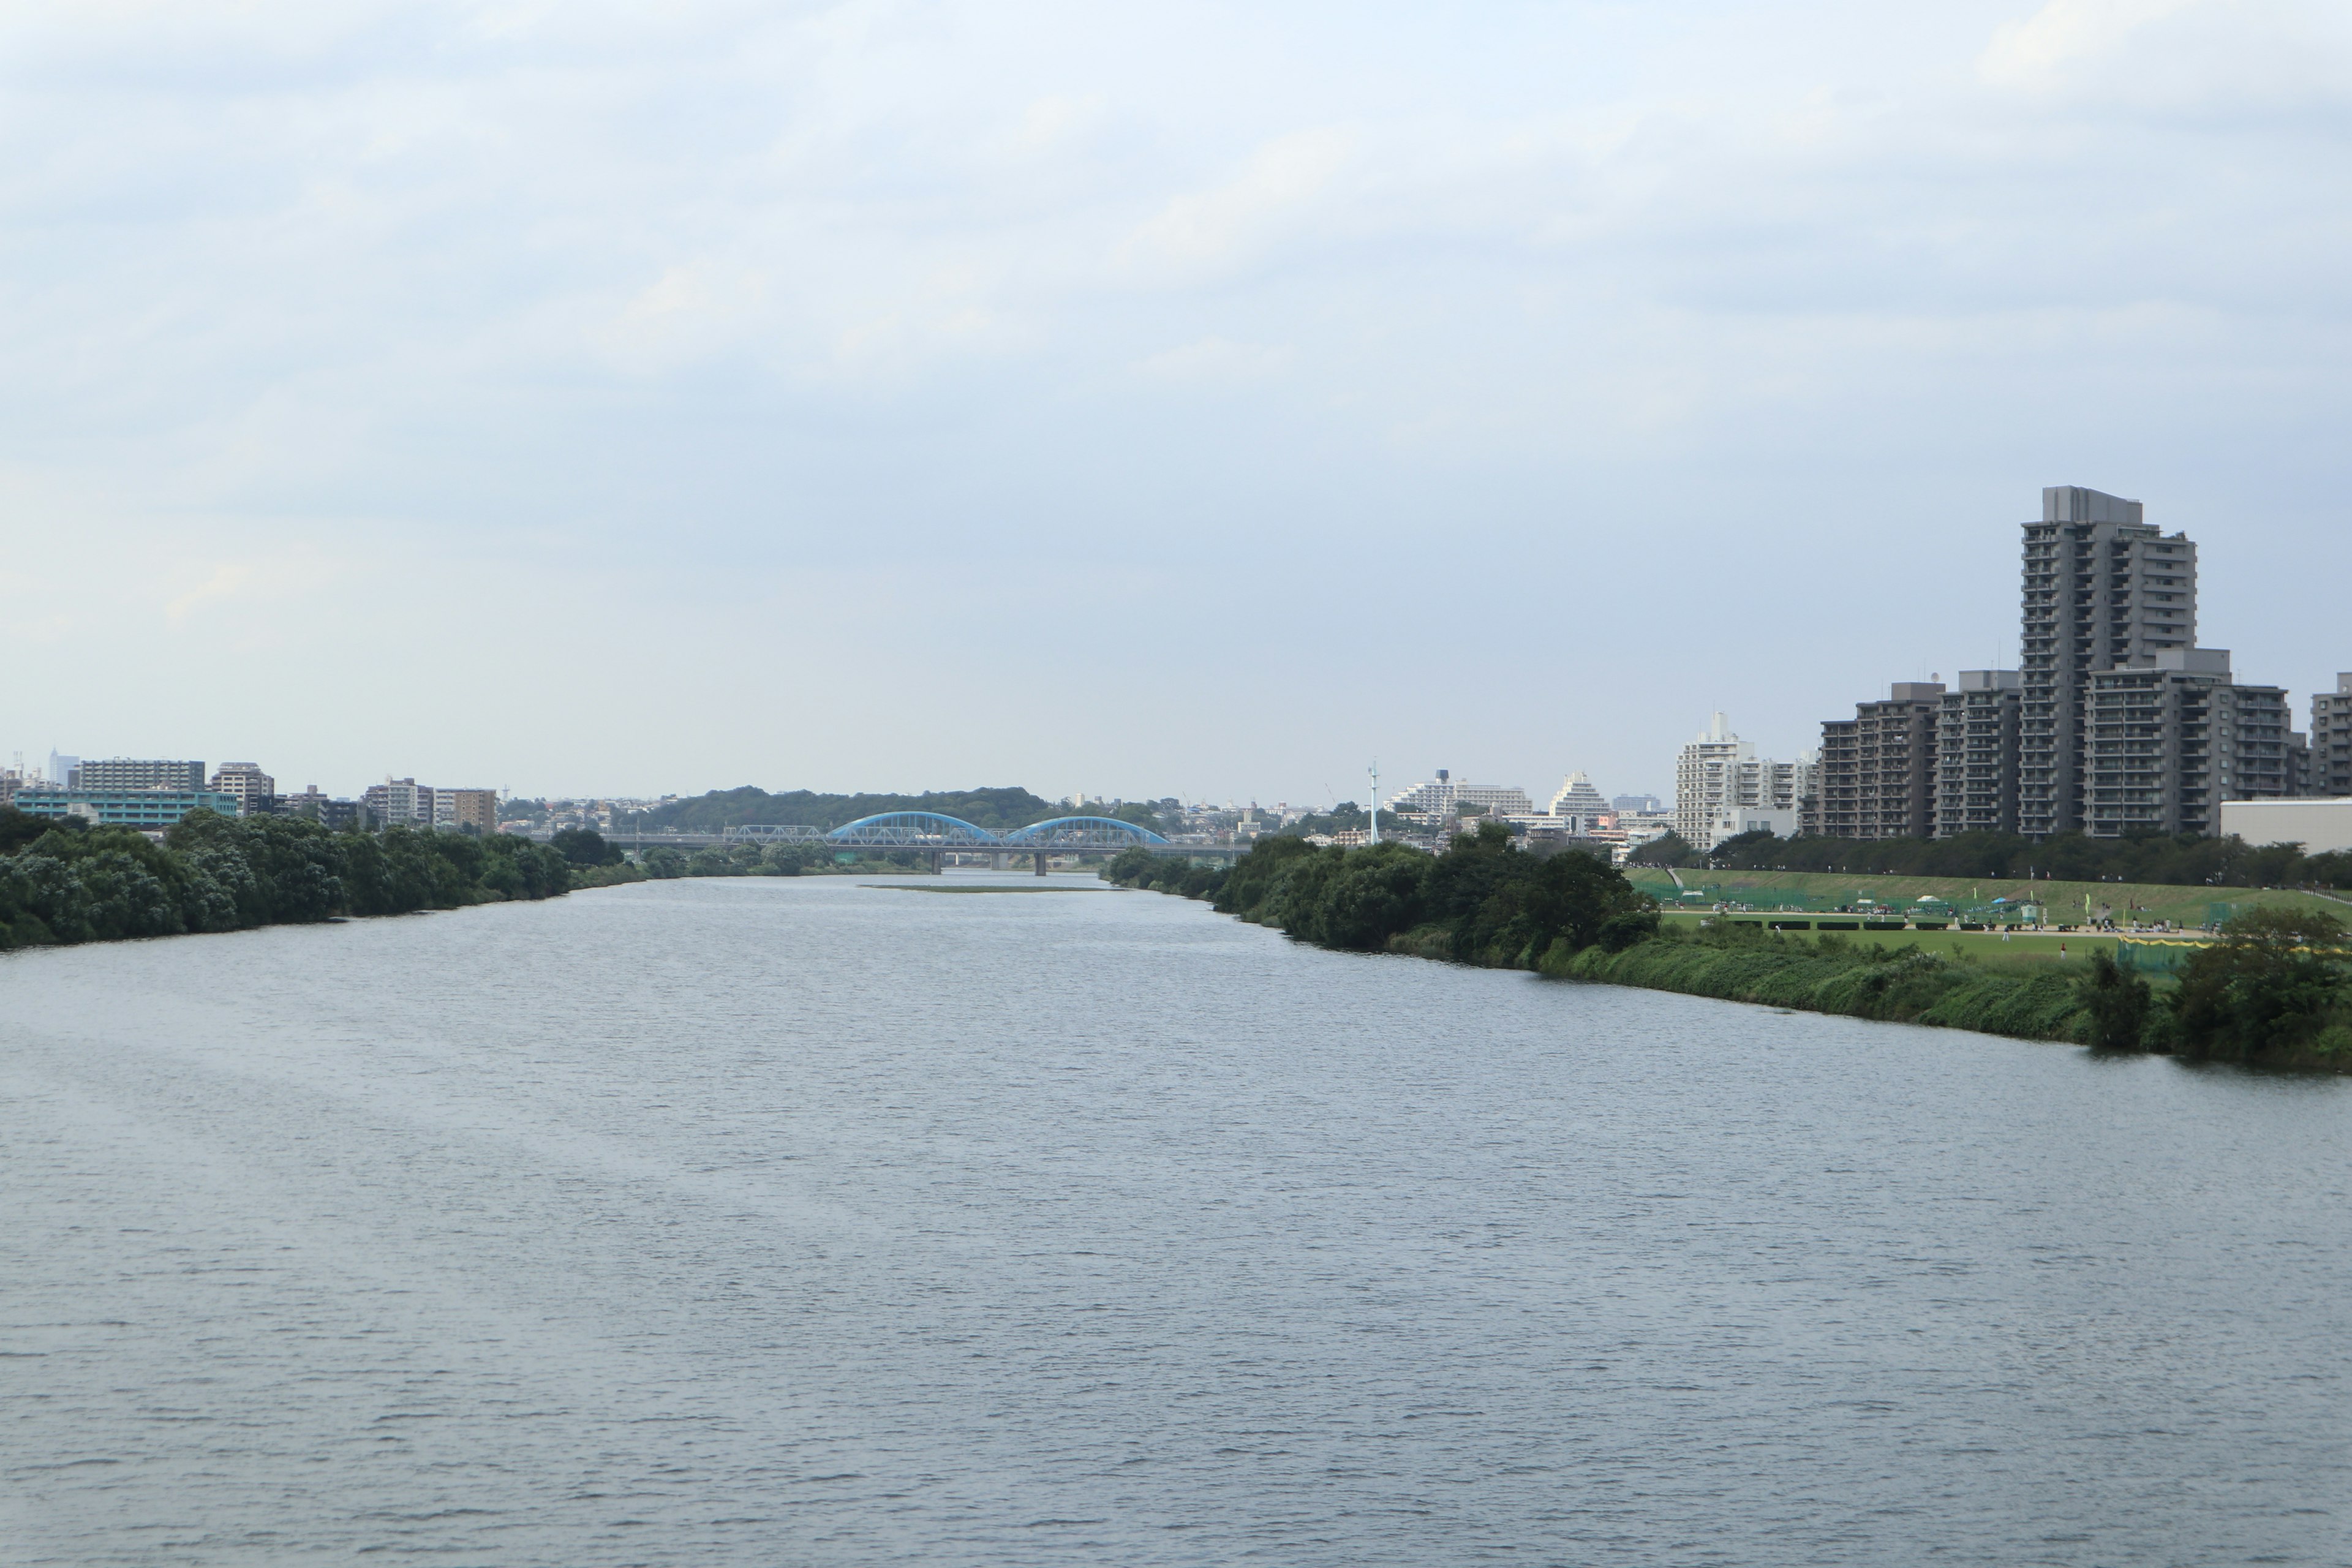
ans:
(938, 836)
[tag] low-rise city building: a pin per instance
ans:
(1732, 821)
(140, 808)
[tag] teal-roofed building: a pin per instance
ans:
(125, 807)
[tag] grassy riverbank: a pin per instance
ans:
(2270, 991)
(1818, 891)
(1910, 985)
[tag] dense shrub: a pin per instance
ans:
(2117, 1008)
(2272, 988)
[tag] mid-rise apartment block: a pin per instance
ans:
(1977, 754)
(398, 803)
(252, 787)
(2331, 739)
(2102, 588)
(2172, 736)
(465, 809)
(1878, 769)
(137, 772)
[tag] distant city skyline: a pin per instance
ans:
(1140, 401)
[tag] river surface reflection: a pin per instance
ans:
(802, 1222)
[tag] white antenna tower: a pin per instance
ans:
(1375, 838)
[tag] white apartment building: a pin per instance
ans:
(1440, 795)
(1718, 773)
(400, 801)
(1576, 797)
(251, 786)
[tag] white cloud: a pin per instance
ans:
(2031, 52)
(479, 301)
(1203, 231)
(1216, 360)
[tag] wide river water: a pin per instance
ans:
(776, 1222)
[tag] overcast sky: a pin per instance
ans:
(1186, 399)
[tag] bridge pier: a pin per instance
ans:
(938, 861)
(1041, 862)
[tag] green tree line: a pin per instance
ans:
(1487, 901)
(63, 882)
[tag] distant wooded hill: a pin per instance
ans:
(995, 809)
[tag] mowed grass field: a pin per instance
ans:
(1818, 891)
(2073, 947)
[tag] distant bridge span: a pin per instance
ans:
(938, 836)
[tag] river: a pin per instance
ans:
(801, 1221)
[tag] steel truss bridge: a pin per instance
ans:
(937, 835)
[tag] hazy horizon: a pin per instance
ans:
(1184, 401)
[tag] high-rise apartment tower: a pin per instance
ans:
(2102, 588)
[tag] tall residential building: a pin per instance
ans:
(2331, 739)
(138, 772)
(1977, 754)
(1718, 773)
(251, 786)
(2171, 736)
(1706, 779)
(2101, 588)
(1878, 768)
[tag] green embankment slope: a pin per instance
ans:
(1821, 890)
(2022, 946)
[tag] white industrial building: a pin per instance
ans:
(2322, 826)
